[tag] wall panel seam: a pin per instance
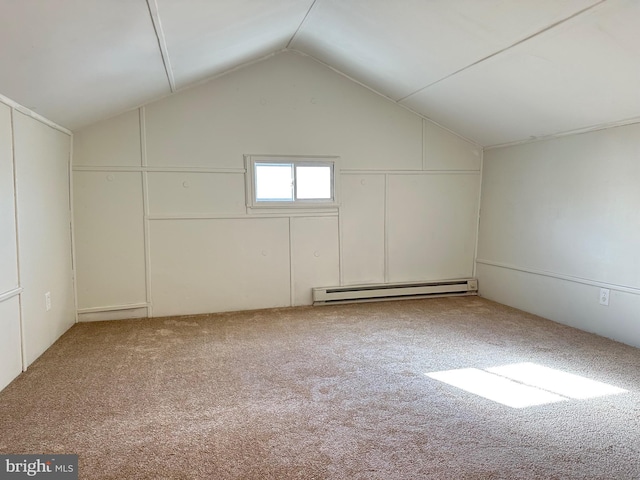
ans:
(153, 169)
(340, 245)
(145, 211)
(291, 273)
(560, 276)
(23, 343)
(223, 216)
(242, 171)
(24, 110)
(409, 172)
(478, 210)
(73, 230)
(10, 294)
(386, 228)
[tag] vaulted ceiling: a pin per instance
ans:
(495, 71)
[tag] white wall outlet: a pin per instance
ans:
(47, 300)
(604, 296)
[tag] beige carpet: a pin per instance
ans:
(336, 392)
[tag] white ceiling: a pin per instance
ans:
(495, 71)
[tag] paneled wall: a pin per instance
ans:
(560, 221)
(10, 339)
(161, 221)
(35, 238)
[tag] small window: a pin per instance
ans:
(274, 182)
(284, 181)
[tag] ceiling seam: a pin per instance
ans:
(565, 133)
(191, 85)
(162, 43)
(301, 23)
(386, 97)
(519, 42)
(30, 113)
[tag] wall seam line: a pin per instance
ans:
(8, 295)
(386, 228)
(74, 271)
(23, 343)
(478, 212)
(145, 210)
(291, 274)
(560, 276)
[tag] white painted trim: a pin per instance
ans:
(145, 210)
(186, 87)
(302, 157)
(386, 228)
(249, 63)
(340, 247)
(382, 95)
(23, 343)
(24, 110)
(303, 210)
(291, 273)
(560, 276)
(87, 168)
(15, 192)
(253, 206)
(73, 232)
(144, 164)
(112, 308)
(240, 171)
(10, 294)
(146, 168)
(409, 172)
(204, 81)
(509, 47)
(475, 248)
(577, 131)
(225, 216)
(162, 42)
(424, 146)
(293, 207)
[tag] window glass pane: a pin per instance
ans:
(274, 182)
(313, 182)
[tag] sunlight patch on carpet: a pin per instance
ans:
(562, 383)
(521, 385)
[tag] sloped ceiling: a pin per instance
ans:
(495, 71)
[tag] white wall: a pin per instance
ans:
(44, 231)
(161, 221)
(10, 339)
(560, 220)
(35, 238)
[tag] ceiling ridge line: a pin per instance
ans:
(301, 23)
(509, 47)
(162, 43)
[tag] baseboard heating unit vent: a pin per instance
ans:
(394, 291)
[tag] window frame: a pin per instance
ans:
(295, 203)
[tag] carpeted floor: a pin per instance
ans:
(336, 392)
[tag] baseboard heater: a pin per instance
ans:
(394, 291)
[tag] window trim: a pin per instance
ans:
(295, 160)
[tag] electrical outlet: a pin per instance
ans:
(604, 296)
(47, 300)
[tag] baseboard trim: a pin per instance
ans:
(113, 308)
